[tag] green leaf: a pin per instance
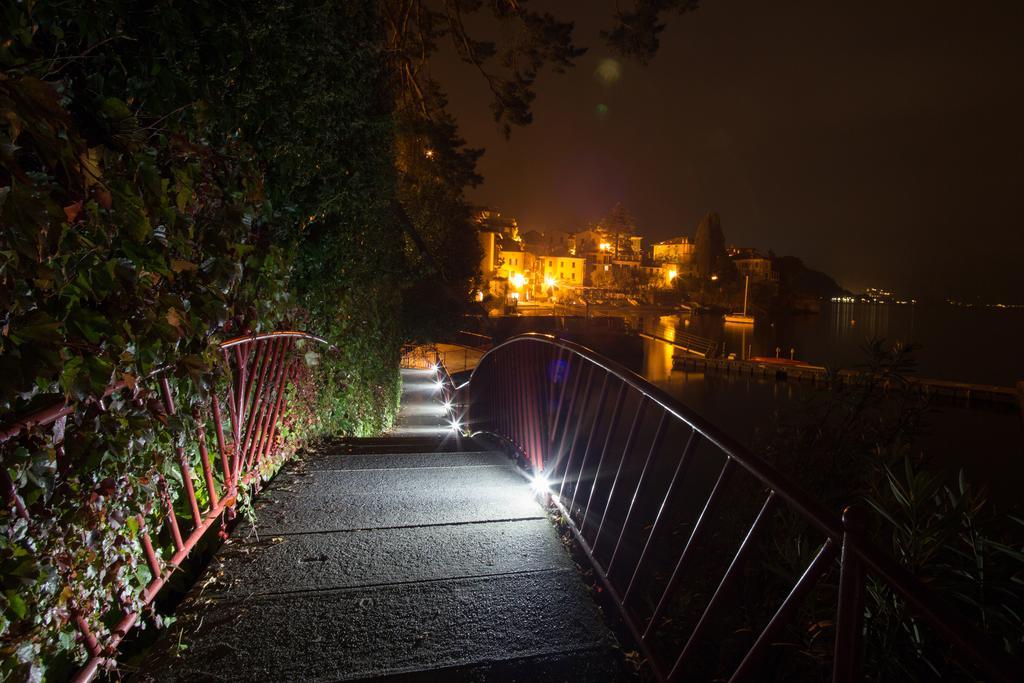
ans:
(16, 604)
(69, 377)
(37, 328)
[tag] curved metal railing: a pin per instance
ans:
(262, 366)
(643, 483)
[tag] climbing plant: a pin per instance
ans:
(172, 174)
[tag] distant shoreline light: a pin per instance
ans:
(913, 302)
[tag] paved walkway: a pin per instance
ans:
(417, 557)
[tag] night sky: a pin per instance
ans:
(883, 142)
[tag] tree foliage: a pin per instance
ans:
(637, 31)
(620, 224)
(709, 255)
(510, 69)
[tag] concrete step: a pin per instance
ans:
(250, 566)
(335, 635)
(360, 461)
(412, 443)
(330, 500)
(596, 665)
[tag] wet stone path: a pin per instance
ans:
(420, 556)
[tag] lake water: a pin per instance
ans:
(987, 443)
(975, 345)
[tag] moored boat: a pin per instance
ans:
(741, 318)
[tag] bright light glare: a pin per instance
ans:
(438, 385)
(447, 406)
(456, 425)
(540, 484)
(518, 280)
(549, 281)
(434, 367)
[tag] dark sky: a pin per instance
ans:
(881, 141)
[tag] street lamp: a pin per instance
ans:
(518, 280)
(714, 278)
(549, 281)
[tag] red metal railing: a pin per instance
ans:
(262, 367)
(624, 461)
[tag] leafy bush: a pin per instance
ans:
(858, 444)
(171, 175)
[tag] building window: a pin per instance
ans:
(574, 276)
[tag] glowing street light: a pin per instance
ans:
(714, 278)
(539, 483)
(604, 246)
(549, 281)
(518, 280)
(672, 275)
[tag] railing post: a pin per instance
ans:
(590, 439)
(580, 413)
(850, 617)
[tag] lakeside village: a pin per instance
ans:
(609, 264)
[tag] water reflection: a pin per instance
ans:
(837, 337)
(736, 339)
(985, 443)
(657, 360)
(871, 321)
